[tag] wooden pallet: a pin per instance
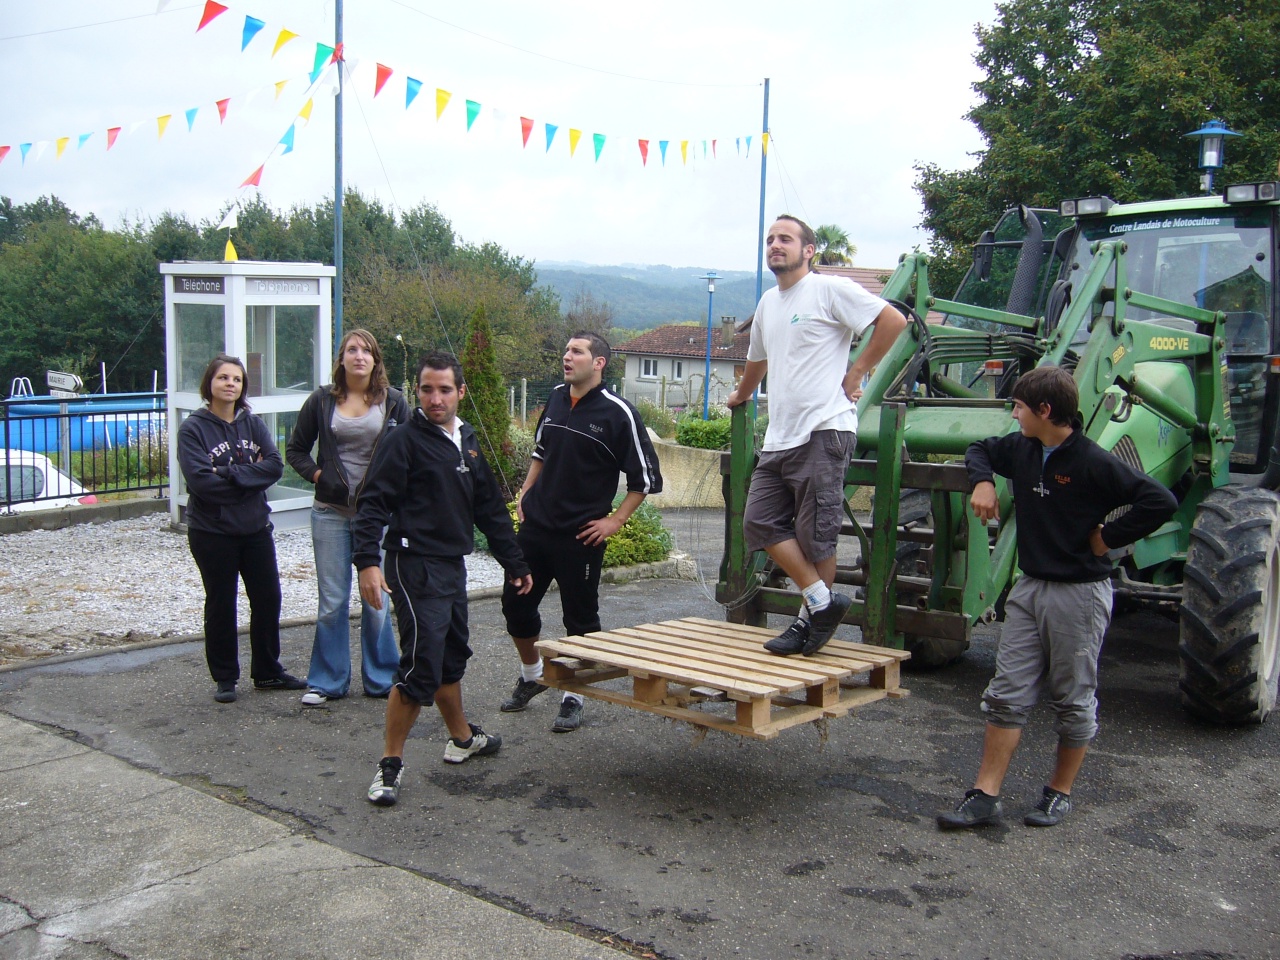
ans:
(682, 668)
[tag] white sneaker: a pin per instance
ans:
(314, 698)
(480, 744)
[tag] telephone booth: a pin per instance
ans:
(277, 318)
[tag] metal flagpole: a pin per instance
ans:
(338, 192)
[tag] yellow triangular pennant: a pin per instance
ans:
(280, 85)
(285, 37)
(230, 254)
(62, 145)
(305, 112)
(574, 137)
(162, 123)
(684, 152)
(442, 101)
(764, 142)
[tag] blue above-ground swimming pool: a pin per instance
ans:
(100, 422)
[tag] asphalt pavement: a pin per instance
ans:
(138, 818)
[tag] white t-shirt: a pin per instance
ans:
(805, 333)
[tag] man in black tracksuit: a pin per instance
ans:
(586, 436)
(1064, 487)
(429, 484)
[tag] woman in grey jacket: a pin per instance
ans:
(348, 419)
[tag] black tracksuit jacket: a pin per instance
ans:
(583, 447)
(1058, 502)
(429, 496)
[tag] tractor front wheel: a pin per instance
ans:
(1230, 621)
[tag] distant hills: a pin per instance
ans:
(642, 296)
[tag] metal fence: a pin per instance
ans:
(58, 452)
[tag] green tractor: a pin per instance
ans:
(1165, 313)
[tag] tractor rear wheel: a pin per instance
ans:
(1230, 631)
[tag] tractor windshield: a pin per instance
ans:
(1216, 261)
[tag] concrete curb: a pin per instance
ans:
(87, 513)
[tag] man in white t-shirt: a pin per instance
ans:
(801, 336)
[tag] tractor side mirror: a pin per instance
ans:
(982, 255)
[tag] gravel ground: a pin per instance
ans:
(98, 585)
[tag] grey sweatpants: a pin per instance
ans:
(1051, 640)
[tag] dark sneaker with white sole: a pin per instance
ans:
(480, 744)
(385, 789)
(1053, 806)
(977, 809)
(524, 691)
(286, 681)
(791, 640)
(823, 623)
(570, 717)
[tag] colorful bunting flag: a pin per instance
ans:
(287, 139)
(338, 55)
(229, 254)
(526, 127)
(599, 141)
(162, 124)
(551, 134)
(83, 138)
(254, 179)
(473, 111)
(112, 133)
(191, 118)
(644, 153)
(4, 152)
(232, 219)
(305, 112)
(384, 73)
(662, 145)
(24, 148)
(574, 137)
(251, 27)
(442, 101)
(211, 12)
(324, 53)
(280, 87)
(222, 109)
(411, 88)
(684, 152)
(284, 37)
(713, 149)
(62, 145)
(764, 143)
(748, 148)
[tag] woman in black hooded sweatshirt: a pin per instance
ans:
(229, 460)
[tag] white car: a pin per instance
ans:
(25, 476)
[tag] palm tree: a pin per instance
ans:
(833, 246)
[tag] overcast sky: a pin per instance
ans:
(860, 92)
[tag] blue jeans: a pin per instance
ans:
(330, 670)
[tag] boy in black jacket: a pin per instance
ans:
(429, 484)
(1064, 486)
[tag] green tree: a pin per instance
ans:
(1088, 97)
(485, 405)
(833, 245)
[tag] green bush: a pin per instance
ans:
(656, 419)
(642, 539)
(713, 434)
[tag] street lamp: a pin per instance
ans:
(404, 350)
(1212, 137)
(711, 277)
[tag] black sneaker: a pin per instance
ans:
(226, 691)
(480, 744)
(570, 718)
(1053, 806)
(286, 681)
(385, 789)
(525, 691)
(791, 640)
(977, 809)
(823, 623)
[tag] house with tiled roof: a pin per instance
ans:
(667, 366)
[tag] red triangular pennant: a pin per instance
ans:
(4, 152)
(644, 153)
(383, 74)
(211, 12)
(526, 125)
(112, 133)
(337, 55)
(222, 109)
(254, 179)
